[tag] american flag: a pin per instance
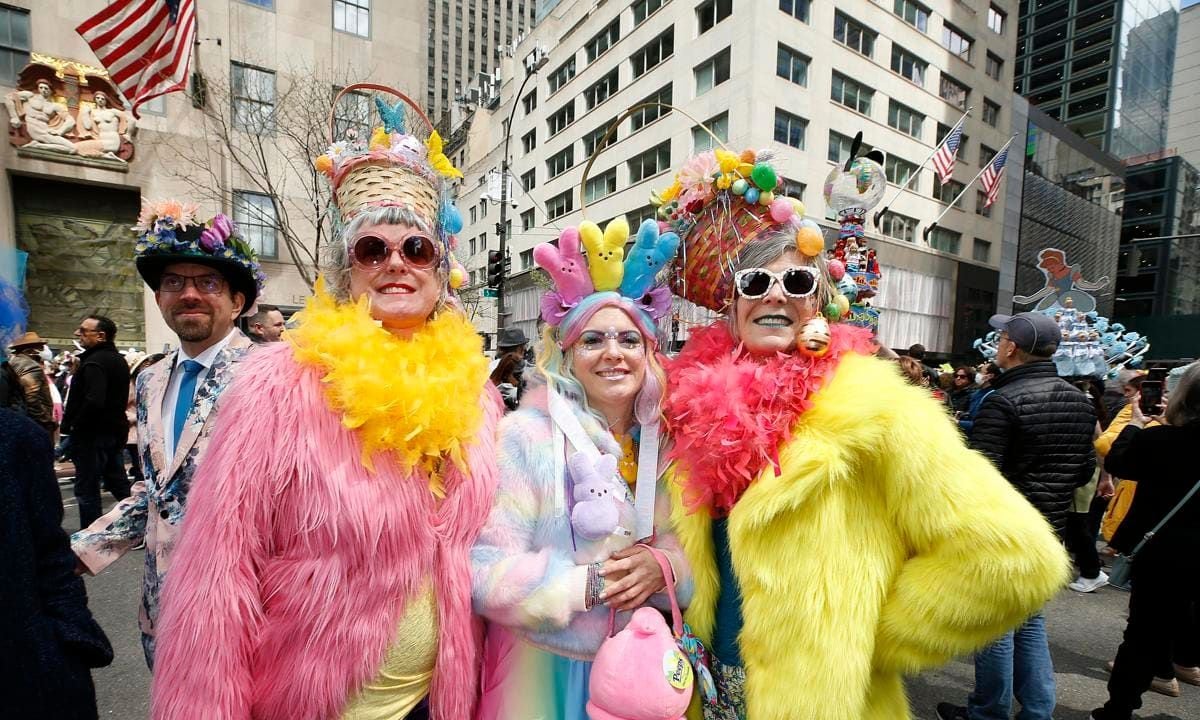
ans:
(145, 45)
(991, 177)
(943, 159)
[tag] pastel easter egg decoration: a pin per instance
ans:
(781, 210)
(810, 223)
(763, 176)
(739, 186)
(751, 195)
(843, 305)
(809, 242)
(832, 311)
(765, 198)
(848, 287)
(798, 206)
(451, 219)
(813, 338)
(837, 269)
(458, 277)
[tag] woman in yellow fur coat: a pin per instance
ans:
(840, 533)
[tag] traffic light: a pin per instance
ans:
(495, 269)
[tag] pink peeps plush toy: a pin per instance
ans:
(566, 266)
(640, 673)
(595, 514)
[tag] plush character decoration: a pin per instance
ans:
(649, 254)
(813, 338)
(606, 252)
(595, 514)
(640, 673)
(566, 266)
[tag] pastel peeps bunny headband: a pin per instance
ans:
(605, 276)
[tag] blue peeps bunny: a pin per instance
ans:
(650, 252)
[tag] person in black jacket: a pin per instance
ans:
(1166, 571)
(48, 638)
(94, 416)
(1037, 429)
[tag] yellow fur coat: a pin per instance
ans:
(885, 547)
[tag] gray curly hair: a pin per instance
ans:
(336, 262)
(766, 249)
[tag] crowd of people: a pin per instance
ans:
(366, 521)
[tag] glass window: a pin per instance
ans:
(529, 141)
(839, 147)
(158, 106)
(1092, 40)
(526, 257)
(712, 72)
(562, 118)
(655, 160)
(600, 90)
(560, 204)
(985, 154)
(945, 240)
(982, 250)
(529, 180)
(953, 92)
(600, 186)
(900, 227)
(641, 118)
(643, 9)
(995, 19)
(897, 170)
(793, 188)
(993, 66)
(1091, 82)
(561, 75)
(603, 40)
(711, 12)
(253, 93)
(657, 50)
(527, 220)
(560, 162)
(718, 125)
(796, 8)
(991, 112)
(529, 102)
(1090, 105)
(851, 94)
(905, 119)
(352, 115)
(1087, 62)
(254, 214)
(956, 41)
(352, 16)
(592, 141)
(790, 129)
(853, 35)
(908, 65)
(981, 206)
(947, 192)
(14, 43)
(791, 65)
(913, 13)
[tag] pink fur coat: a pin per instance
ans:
(296, 563)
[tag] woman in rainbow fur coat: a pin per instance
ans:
(323, 570)
(839, 532)
(580, 482)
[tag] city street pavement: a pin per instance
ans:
(1084, 633)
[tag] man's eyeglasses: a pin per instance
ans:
(207, 284)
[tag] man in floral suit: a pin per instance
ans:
(204, 277)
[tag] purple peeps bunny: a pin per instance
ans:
(596, 514)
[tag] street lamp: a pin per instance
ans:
(535, 61)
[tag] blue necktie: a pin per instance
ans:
(187, 390)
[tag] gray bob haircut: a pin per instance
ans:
(769, 247)
(336, 263)
(1183, 405)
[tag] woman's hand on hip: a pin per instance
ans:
(638, 576)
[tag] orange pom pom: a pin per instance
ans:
(809, 242)
(324, 164)
(747, 156)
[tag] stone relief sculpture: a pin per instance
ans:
(62, 107)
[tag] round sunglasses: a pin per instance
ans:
(796, 282)
(372, 252)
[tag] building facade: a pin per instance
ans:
(264, 75)
(796, 77)
(1183, 128)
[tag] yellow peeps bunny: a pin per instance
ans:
(606, 252)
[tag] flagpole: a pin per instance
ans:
(926, 231)
(917, 173)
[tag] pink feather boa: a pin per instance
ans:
(729, 411)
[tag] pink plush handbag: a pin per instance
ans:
(641, 673)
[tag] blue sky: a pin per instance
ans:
(1189, 3)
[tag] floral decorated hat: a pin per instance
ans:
(395, 167)
(169, 232)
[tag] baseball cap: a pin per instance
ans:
(1028, 330)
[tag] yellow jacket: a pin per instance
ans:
(885, 547)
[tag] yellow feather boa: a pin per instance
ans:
(415, 397)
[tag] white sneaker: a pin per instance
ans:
(1086, 585)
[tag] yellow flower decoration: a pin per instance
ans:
(727, 161)
(438, 159)
(667, 195)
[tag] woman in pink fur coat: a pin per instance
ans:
(323, 570)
